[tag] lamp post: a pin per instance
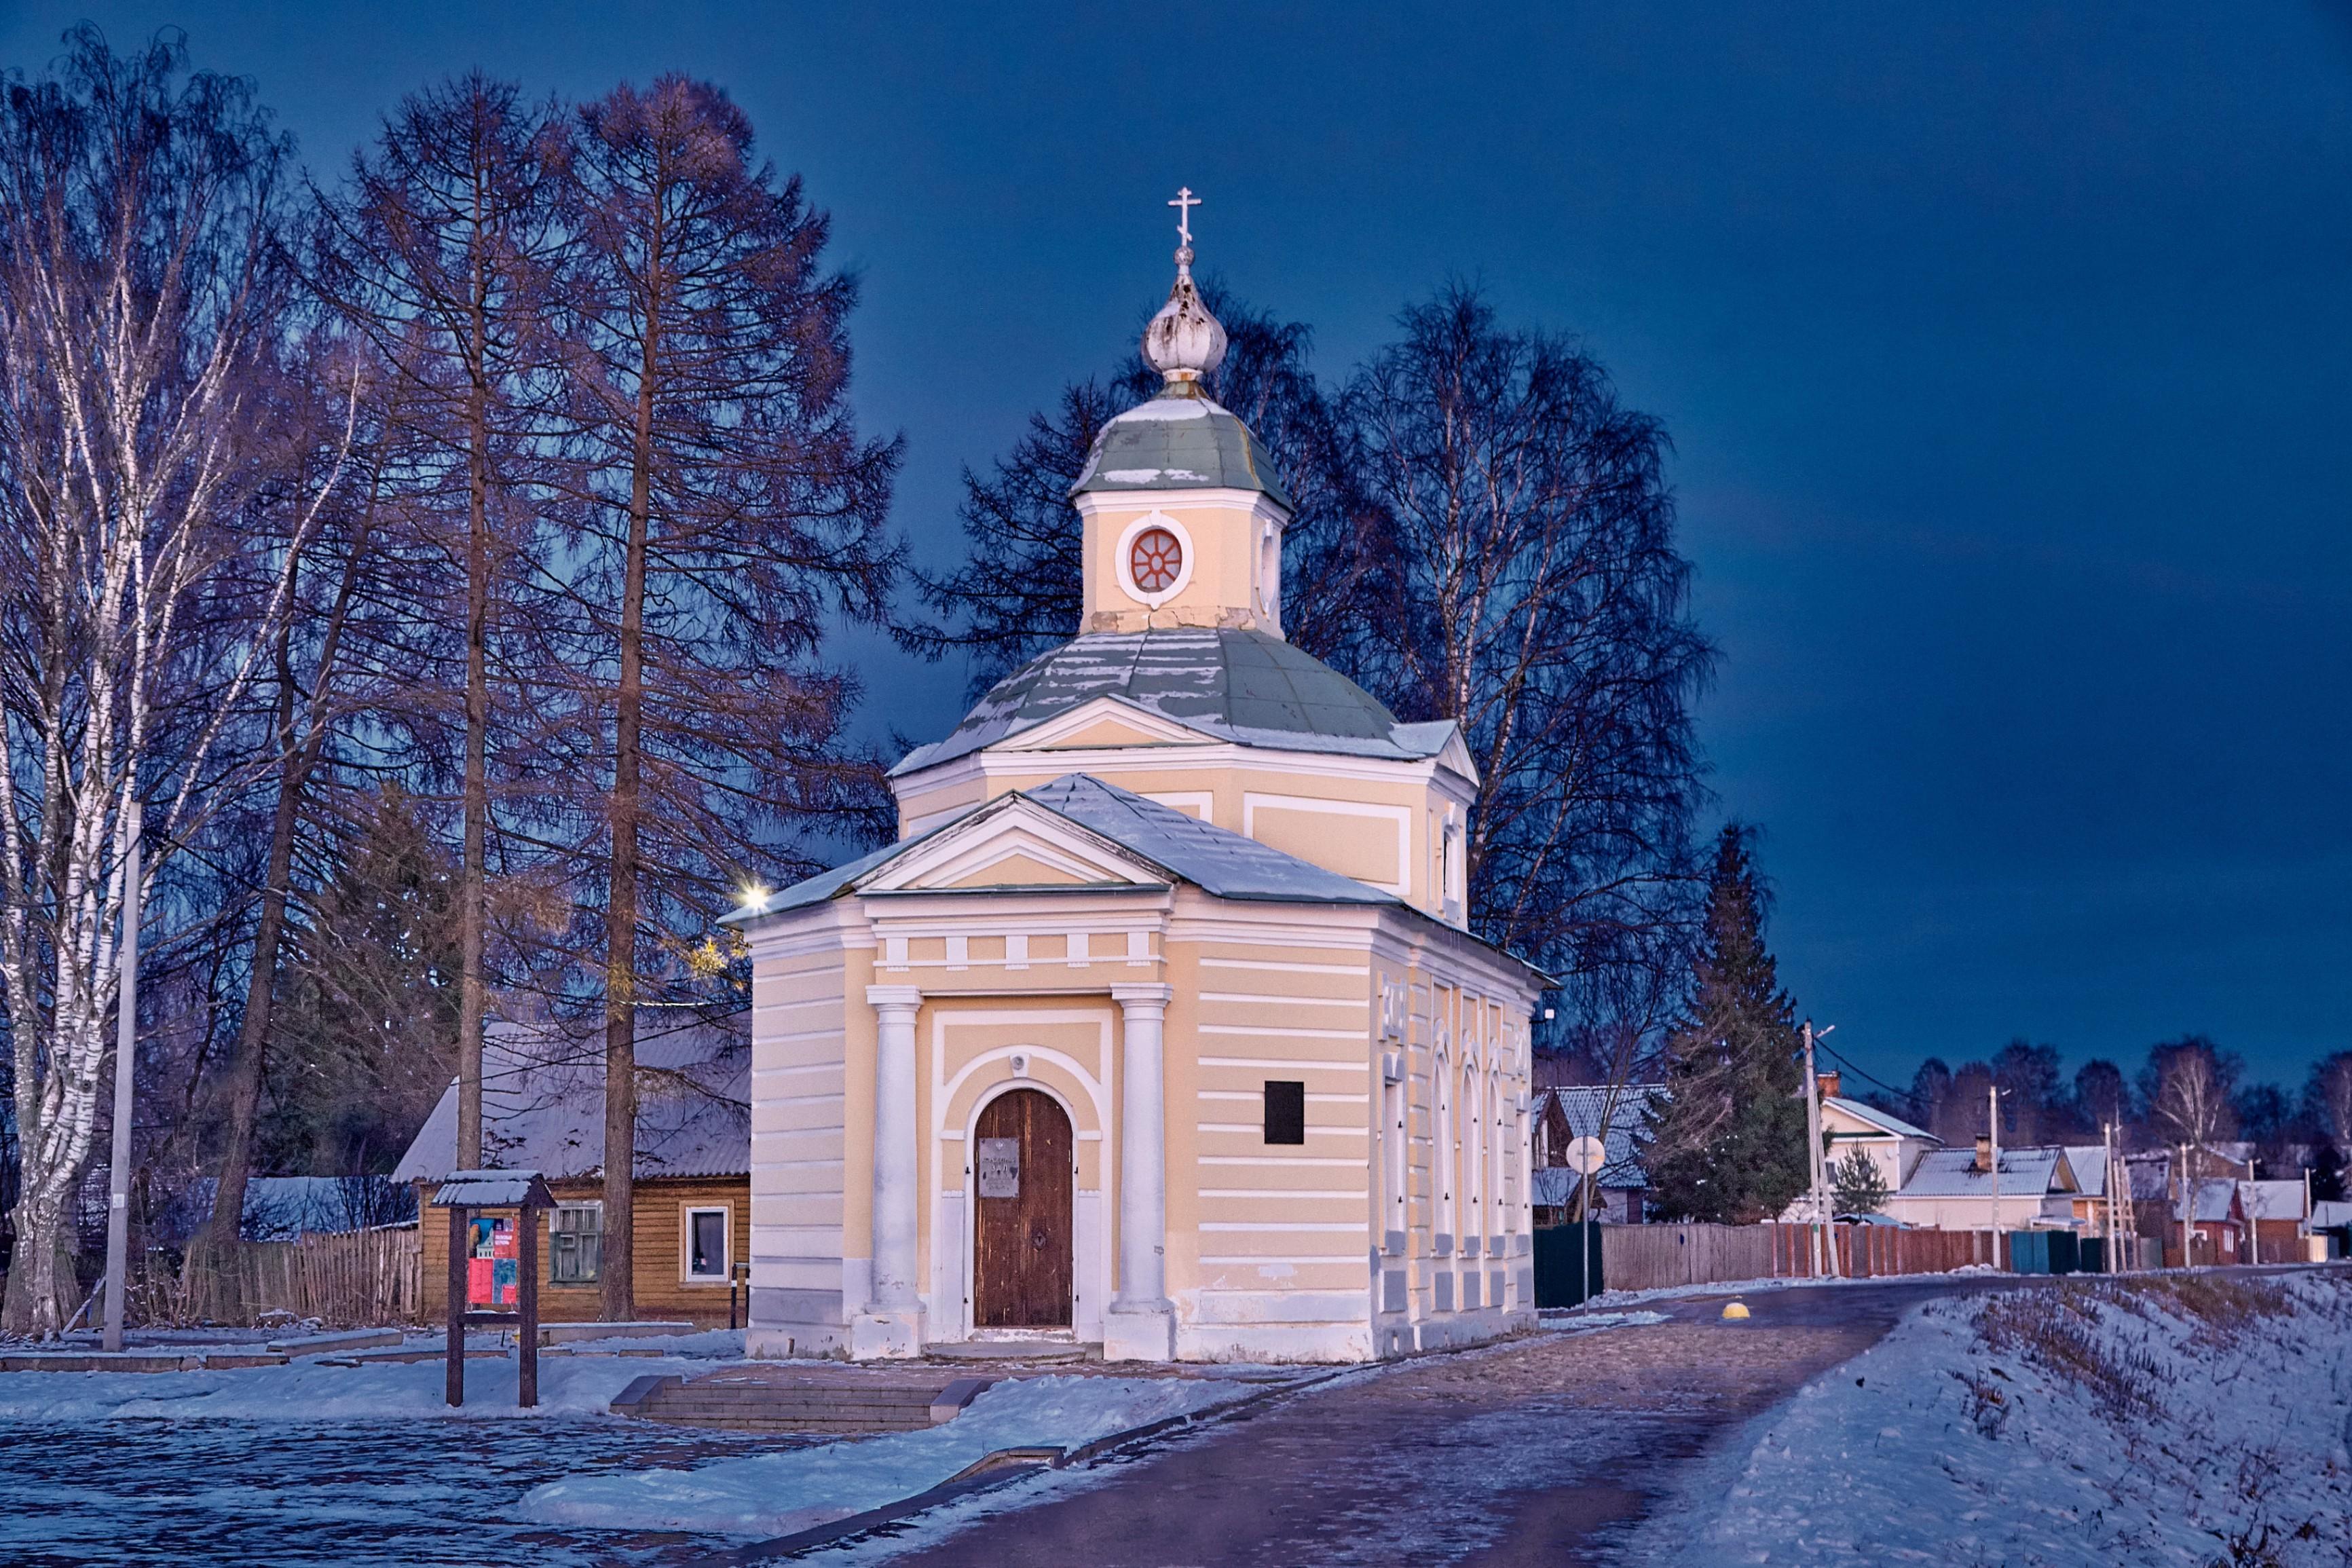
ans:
(1992, 1099)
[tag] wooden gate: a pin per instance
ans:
(1022, 1264)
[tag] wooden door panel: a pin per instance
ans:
(1022, 1271)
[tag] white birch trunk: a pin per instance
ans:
(132, 308)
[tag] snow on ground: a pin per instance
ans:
(569, 1386)
(1593, 1323)
(2166, 1420)
(776, 1494)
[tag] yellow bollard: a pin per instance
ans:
(1735, 1312)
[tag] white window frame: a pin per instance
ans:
(687, 1212)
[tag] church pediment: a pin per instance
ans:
(1105, 723)
(1012, 842)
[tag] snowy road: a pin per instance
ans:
(1538, 1452)
(362, 1493)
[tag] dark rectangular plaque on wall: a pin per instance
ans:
(1000, 1167)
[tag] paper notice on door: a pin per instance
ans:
(1000, 1167)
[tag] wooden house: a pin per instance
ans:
(543, 1110)
(1620, 1188)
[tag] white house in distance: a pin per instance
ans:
(1955, 1189)
(1893, 1145)
(1159, 1026)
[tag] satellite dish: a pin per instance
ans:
(1587, 1155)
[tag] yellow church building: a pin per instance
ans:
(1158, 1027)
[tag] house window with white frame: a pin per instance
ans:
(707, 1244)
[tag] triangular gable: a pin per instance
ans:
(1013, 842)
(1105, 722)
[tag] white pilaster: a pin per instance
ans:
(892, 1323)
(1141, 1324)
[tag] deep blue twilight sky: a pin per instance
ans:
(2004, 348)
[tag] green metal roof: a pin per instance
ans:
(1179, 443)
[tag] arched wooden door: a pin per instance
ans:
(1021, 1268)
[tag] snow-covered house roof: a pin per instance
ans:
(543, 1105)
(2330, 1214)
(277, 1208)
(2089, 1162)
(1621, 1143)
(1952, 1173)
(2151, 1176)
(1214, 859)
(1885, 1121)
(2213, 1196)
(2270, 1200)
(1226, 683)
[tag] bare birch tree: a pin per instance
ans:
(2188, 1085)
(141, 285)
(1528, 588)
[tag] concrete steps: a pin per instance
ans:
(820, 1410)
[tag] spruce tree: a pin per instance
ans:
(1858, 1185)
(1729, 1143)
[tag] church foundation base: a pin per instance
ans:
(886, 1336)
(1141, 1333)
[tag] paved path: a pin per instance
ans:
(1537, 1452)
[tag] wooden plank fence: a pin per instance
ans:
(1650, 1256)
(363, 1279)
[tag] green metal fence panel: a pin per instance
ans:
(1559, 1281)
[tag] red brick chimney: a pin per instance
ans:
(1984, 1153)
(1829, 1082)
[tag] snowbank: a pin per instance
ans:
(569, 1386)
(2162, 1421)
(775, 1494)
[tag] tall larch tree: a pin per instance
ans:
(1729, 1144)
(442, 247)
(728, 511)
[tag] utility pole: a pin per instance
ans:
(2188, 1213)
(1992, 1100)
(126, 1051)
(1814, 1154)
(2253, 1231)
(2107, 1184)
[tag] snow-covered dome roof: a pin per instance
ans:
(1227, 682)
(1181, 440)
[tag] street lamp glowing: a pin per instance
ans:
(754, 896)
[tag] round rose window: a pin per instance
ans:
(1154, 560)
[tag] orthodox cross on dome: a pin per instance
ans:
(1184, 203)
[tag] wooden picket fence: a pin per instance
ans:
(359, 1278)
(1648, 1257)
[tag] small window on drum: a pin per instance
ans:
(1285, 1111)
(1155, 560)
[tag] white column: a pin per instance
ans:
(891, 1324)
(1140, 1324)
